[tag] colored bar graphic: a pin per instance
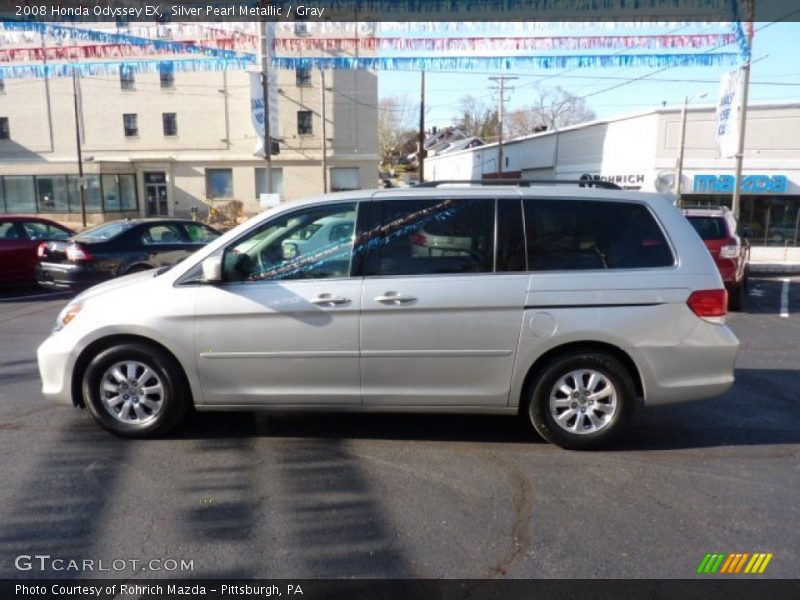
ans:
(733, 563)
(764, 564)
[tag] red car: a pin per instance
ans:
(20, 237)
(717, 228)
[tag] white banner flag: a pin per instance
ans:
(257, 109)
(728, 106)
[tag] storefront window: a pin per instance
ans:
(51, 194)
(127, 192)
(92, 195)
(261, 181)
(763, 219)
(111, 201)
(19, 194)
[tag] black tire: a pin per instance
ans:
(173, 398)
(538, 405)
(736, 296)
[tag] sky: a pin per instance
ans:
(775, 77)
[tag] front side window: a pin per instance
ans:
(219, 183)
(294, 246)
(130, 124)
(426, 237)
(568, 235)
(305, 124)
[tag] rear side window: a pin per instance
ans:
(165, 233)
(709, 228)
(426, 237)
(566, 235)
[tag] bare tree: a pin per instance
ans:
(476, 118)
(395, 124)
(552, 108)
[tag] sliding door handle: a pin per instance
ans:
(395, 298)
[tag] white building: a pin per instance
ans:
(640, 151)
(167, 143)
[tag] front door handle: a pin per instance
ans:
(395, 298)
(329, 300)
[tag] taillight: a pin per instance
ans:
(418, 239)
(730, 250)
(711, 305)
(77, 252)
(41, 250)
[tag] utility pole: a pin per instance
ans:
(265, 88)
(682, 145)
(501, 113)
(81, 181)
(737, 186)
(324, 133)
(421, 154)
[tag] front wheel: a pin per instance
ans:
(135, 390)
(581, 400)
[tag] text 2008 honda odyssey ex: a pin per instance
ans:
(567, 304)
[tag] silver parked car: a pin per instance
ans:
(566, 304)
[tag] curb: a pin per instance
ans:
(774, 268)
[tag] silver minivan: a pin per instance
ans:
(568, 305)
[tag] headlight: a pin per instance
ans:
(67, 315)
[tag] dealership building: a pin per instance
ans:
(639, 152)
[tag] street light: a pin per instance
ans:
(679, 162)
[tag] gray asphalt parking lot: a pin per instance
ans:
(244, 495)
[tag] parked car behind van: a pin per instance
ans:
(570, 306)
(119, 248)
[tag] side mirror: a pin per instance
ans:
(212, 269)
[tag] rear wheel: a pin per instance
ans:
(581, 400)
(135, 390)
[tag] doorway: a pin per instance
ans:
(155, 193)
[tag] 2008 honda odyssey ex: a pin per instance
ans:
(569, 305)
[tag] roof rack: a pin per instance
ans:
(721, 207)
(608, 185)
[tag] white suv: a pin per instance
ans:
(568, 305)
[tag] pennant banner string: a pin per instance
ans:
(501, 43)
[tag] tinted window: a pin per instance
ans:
(567, 235)
(44, 231)
(282, 250)
(164, 233)
(422, 237)
(104, 232)
(709, 228)
(510, 236)
(8, 231)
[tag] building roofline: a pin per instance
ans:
(616, 119)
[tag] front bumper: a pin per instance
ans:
(56, 362)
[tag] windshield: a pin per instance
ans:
(104, 232)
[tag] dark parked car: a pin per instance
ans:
(119, 248)
(19, 238)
